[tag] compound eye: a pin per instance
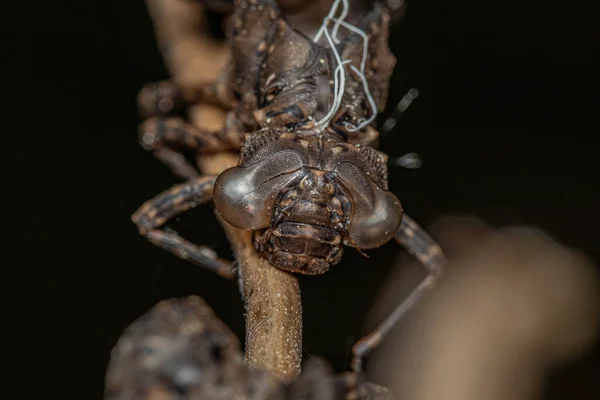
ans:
(376, 213)
(245, 196)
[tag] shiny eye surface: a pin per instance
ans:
(376, 213)
(245, 195)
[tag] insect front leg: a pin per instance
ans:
(166, 137)
(153, 214)
(419, 244)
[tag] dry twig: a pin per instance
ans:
(272, 296)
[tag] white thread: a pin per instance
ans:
(371, 103)
(361, 33)
(349, 126)
(339, 85)
(336, 27)
(332, 12)
(339, 73)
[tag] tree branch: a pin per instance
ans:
(271, 296)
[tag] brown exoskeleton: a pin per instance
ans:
(307, 182)
(306, 195)
(179, 349)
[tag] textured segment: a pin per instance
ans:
(377, 163)
(256, 141)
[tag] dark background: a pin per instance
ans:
(503, 122)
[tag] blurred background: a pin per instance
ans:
(504, 124)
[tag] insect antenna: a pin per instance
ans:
(399, 111)
(408, 160)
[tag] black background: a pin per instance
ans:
(503, 122)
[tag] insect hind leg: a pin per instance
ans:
(419, 244)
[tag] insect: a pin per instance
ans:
(300, 113)
(179, 349)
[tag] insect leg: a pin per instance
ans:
(152, 215)
(165, 136)
(418, 243)
(160, 99)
